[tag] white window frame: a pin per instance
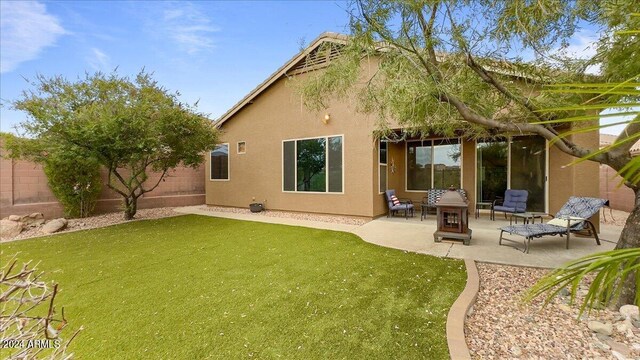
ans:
(228, 163)
(406, 162)
(386, 167)
(326, 154)
(238, 147)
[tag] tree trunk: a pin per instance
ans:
(630, 238)
(130, 207)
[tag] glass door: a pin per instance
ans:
(514, 163)
(528, 169)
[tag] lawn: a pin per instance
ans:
(193, 287)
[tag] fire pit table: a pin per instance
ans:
(453, 217)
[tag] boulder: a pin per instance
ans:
(14, 217)
(54, 225)
(630, 312)
(600, 328)
(9, 228)
(33, 220)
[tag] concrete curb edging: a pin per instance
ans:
(458, 313)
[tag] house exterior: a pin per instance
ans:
(276, 151)
(620, 197)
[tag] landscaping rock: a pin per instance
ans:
(630, 312)
(32, 220)
(564, 292)
(620, 348)
(624, 326)
(10, 228)
(14, 217)
(54, 225)
(601, 328)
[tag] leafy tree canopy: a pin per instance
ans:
(131, 126)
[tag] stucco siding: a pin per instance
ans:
(276, 115)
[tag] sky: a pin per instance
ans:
(214, 52)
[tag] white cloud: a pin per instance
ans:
(25, 29)
(189, 28)
(98, 60)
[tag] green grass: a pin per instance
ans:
(199, 287)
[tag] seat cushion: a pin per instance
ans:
(504, 208)
(402, 207)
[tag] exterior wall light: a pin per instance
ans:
(326, 119)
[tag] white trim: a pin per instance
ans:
(509, 141)
(295, 149)
(228, 163)
(238, 147)
(546, 176)
(386, 167)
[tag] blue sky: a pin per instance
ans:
(215, 52)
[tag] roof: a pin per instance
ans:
(282, 71)
(293, 65)
(606, 139)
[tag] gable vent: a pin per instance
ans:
(318, 58)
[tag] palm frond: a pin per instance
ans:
(612, 269)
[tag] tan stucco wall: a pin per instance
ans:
(276, 115)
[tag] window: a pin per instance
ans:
(219, 162)
(433, 164)
(312, 165)
(242, 147)
(382, 165)
(517, 162)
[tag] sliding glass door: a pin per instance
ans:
(492, 163)
(513, 163)
(528, 159)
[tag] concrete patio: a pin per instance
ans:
(417, 236)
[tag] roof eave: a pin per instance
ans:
(326, 36)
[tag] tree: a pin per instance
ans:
(28, 315)
(129, 126)
(447, 66)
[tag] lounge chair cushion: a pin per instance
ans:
(535, 230)
(394, 200)
(573, 220)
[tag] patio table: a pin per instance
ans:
(482, 205)
(527, 217)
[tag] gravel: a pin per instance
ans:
(501, 327)
(348, 220)
(99, 221)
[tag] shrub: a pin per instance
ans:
(75, 181)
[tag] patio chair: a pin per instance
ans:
(514, 201)
(573, 216)
(395, 205)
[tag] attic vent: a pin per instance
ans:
(318, 57)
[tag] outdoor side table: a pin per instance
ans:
(527, 217)
(423, 210)
(482, 205)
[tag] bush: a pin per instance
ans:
(75, 181)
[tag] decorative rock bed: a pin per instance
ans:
(501, 327)
(86, 223)
(348, 220)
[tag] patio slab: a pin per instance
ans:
(417, 236)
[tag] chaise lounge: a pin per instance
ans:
(573, 216)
